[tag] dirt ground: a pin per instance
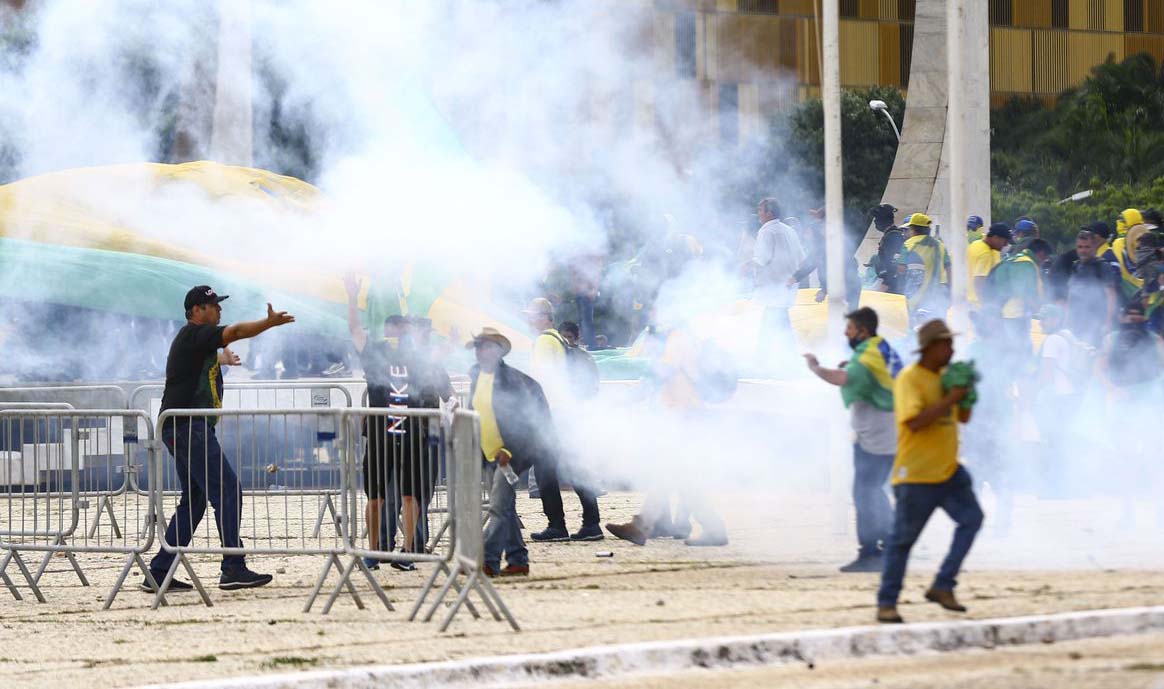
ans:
(778, 574)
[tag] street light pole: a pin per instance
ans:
(880, 106)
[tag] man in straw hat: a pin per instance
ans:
(926, 474)
(515, 428)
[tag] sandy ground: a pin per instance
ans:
(778, 574)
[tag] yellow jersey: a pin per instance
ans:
(982, 259)
(491, 440)
(931, 454)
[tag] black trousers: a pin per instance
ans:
(548, 485)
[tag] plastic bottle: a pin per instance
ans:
(509, 475)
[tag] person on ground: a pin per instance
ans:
(974, 226)
(678, 396)
(923, 270)
(1091, 292)
(983, 255)
(866, 383)
(926, 473)
(550, 367)
(776, 257)
(194, 381)
(884, 263)
(516, 427)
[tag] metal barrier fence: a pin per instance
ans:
(49, 481)
(212, 454)
(283, 522)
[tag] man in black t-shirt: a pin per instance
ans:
(194, 381)
(400, 464)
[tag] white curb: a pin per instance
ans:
(715, 653)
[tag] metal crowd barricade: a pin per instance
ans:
(272, 394)
(54, 461)
(396, 452)
(252, 463)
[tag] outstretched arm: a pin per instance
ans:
(835, 376)
(248, 329)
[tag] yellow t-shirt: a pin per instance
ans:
(491, 441)
(679, 359)
(982, 259)
(931, 454)
(548, 352)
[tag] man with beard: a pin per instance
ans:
(866, 383)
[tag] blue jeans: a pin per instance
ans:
(874, 513)
(503, 534)
(205, 474)
(915, 503)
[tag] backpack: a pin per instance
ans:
(718, 376)
(580, 366)
(1134, 358)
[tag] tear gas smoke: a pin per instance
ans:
(483, 141)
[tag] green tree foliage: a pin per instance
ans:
(1107, 135)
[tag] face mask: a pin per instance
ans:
(854, 341)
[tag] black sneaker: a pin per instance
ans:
(242, 578)
(552, 534)
(865, 563)
(403, 566)
(176, 586)
(588, 533)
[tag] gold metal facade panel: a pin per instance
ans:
(859, 53)
(1033, 13)
(809, 49)
(747, 44)
(1010, 60)
(727, 5)
(801, 7)
(1050, 61)
(1142, 43)
(888, 10)
(1077, 14)
(890, 53)
(1154, 20)
(869, 9)
(1086, 50)
(1113, 16)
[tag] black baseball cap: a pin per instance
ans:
(1000, 229)
(202, 295)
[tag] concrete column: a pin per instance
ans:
(231, 140)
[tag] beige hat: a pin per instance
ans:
(491, 335)
(540, 307)
(931, 332)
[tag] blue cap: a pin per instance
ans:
(974, 222)
(1024, 225)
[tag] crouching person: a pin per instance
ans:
(515, 428)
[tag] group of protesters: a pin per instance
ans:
(1098, 348)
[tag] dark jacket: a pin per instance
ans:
(523, 416)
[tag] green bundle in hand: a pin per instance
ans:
(962, 374)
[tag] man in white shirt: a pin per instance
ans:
(777, 255)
